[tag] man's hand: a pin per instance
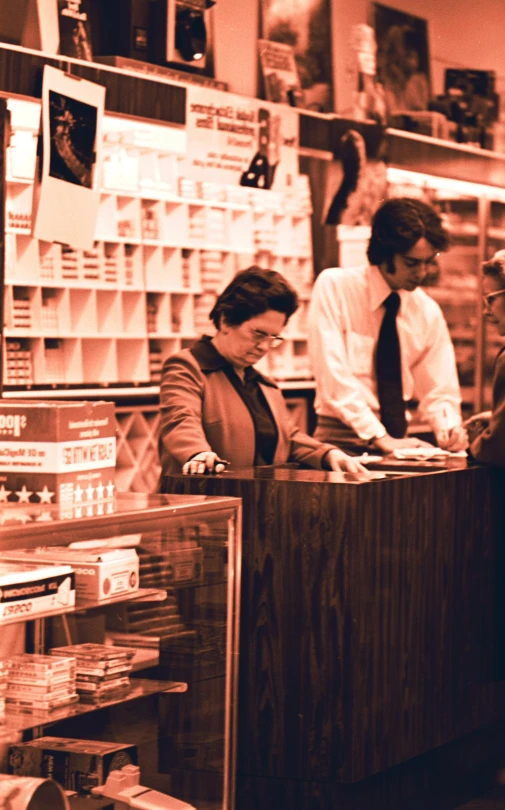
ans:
(204, 463)
(387, 444)
(338, 460)
(453, 440)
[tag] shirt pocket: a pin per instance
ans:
(360, 350)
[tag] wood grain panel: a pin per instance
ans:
(21, 73)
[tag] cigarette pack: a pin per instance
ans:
(28, 589)
(100, 574)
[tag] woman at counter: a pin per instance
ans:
(217, 409)
(487, 429)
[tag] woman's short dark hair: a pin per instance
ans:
(398, 224)
(496, 266)
(252, 292)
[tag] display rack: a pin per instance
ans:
(181, 711)
(165, 246)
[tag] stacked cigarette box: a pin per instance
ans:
(57, 452)
(40, 683)
(102, 672)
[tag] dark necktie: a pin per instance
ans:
(389, 371)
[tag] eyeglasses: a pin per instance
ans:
(489, 299)
(273, 341)
(414, 264)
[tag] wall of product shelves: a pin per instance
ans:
(165, 246)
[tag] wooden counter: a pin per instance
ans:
(371, 626)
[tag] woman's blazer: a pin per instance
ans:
(201, 411)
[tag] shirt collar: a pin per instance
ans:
(209, 360)
(380, 289)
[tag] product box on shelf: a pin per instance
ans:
(99, 573)
(76, 764)
(57, 452)
(28, 589)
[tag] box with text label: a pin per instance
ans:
(28, 589)
(100, 574)
(57, 452)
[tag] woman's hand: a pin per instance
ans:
(338, 460)
(204, 463)
(483, 416)
(477, 423)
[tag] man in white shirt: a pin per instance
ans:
(346, 317)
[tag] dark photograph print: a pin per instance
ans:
(72, 126)
(402, 59)
(306, 28)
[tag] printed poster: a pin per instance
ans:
(240, 141)
(66, 193)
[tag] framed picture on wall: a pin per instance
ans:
(306, 28)
(403, 65)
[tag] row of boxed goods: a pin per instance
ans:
(89, 673)
(97, 574)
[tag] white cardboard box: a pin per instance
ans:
(100, 574)
(28, 589)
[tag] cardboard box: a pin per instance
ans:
(30, 589)
(76, 764)
(57, 452)
(99, 573)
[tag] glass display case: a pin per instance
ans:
(171, 608)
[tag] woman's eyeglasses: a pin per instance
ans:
(490, 298)
(272, 341)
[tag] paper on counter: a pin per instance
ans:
(426, 453)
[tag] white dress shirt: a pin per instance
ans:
(345, 316)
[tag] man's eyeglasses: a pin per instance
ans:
(273, 341)
(414, 264)
(489, 299)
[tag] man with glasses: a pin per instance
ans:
(377, 340)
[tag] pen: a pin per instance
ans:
(443, 434)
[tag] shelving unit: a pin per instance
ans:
(165, 246)
(18, 722)
(181, 711)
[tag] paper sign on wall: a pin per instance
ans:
(231, 137)
(66, 194)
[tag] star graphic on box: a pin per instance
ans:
(44, 516)
(4, 494)
(24, 495)
(110, 489)
(45, 496)
(78, 493)
(89, 492)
